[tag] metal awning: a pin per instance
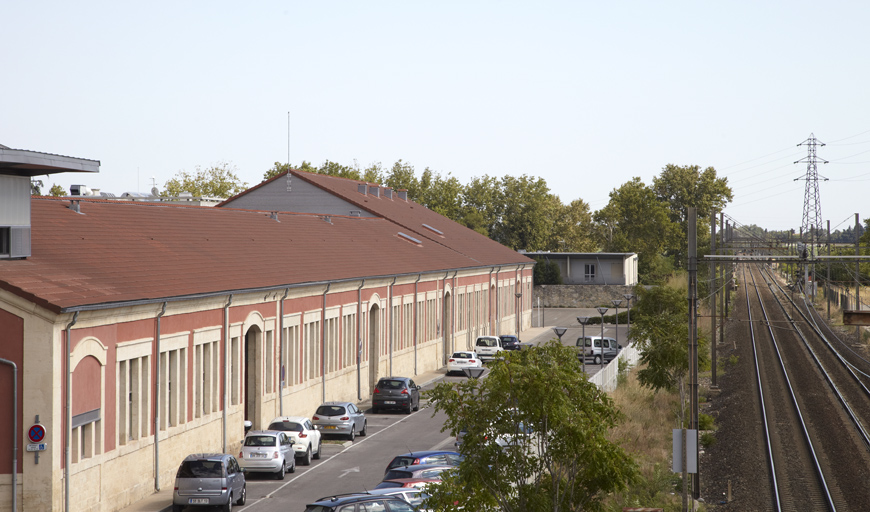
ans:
(23, 162)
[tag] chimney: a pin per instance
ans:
(374, 190)
(403, 194)
(388, 193)
(361, 188)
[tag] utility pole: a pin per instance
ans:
(715, 287)
(693, 345)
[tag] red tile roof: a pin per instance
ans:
(124, 251)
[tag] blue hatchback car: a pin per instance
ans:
(360, 503)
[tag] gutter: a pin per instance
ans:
(226, 371)
(489, 302)
(68, 415)
(157, 407)
(14, 432)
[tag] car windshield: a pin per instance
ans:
(509, 339)
(462, 355)
(200, 469)
(403, 461)
(330, 410)
(485, 342)
(398, 473)
(391, 384)
(318, 508)
(286, 426)
(257, 440)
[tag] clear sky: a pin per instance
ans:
(586, 95)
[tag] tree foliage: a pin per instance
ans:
(636, 220)
(218, 180)
(554, 426)
(56, 191)
(547, 272)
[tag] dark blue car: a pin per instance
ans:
(510, 342)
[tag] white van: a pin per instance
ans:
(597, 349)
(488, 347)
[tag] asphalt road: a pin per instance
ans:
(353, 468)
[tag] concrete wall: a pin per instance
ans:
(579, 295)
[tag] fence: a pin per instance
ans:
(606, 379)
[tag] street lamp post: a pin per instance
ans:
(602, 311)
(583, 321)
(616, 304)
(519, 312)
(559, 332)
(628, 297)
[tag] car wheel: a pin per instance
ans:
(597, 360)
(319, 448)
(365, 426)
(417, 407)
(306, 459)
(410, 408)
(293, 466)
(243, 496)
(279, 475)
(228, 506)
(352, 435)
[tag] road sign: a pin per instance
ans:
(36, 447)
(36, 433)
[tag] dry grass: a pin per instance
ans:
(646, 435)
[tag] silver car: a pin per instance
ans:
(341, 418)
(268, 451)
(209, 479)
(598, 349)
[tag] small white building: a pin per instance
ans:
(607, 268)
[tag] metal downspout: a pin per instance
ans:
(226, 369)
(497, 304)
(489, 302)
(359, 340)
(453, 313)
(415, 323)
(283, 370)
(390, 313)
(67, 416)
(14, 433)
(157, 407)
(323, 344)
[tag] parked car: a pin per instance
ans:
(306, 439)
(209, 479)
(412, 495)
(268, 451)
(425, 457)
(341, 418)
(488, 347)
(417, 483)
(417, 471)
(396, 393)
(596, 348)
(510, 342)
(460, 360)
(360, 503)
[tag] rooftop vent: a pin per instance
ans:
(403, 195)
(374, 190)
(355, 213)
(361, 188)
(388, 193)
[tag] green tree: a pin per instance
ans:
(546, 271)
(482, 204)
(635, 220)
(683, 187)
(401, 177)
(216, 181)
(528, 217)
(56, 191)
(553, 424)
(35, 187)
(441, 195)
(573, 228)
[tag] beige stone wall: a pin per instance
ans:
(579, 295)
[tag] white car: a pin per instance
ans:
(268, 451)
(488, 347)
(464, 359)
(306, 438)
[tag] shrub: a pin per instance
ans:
(707, 440)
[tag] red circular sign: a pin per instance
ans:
(36, 433)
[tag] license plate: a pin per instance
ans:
(330, 427)
(258, 455)
(390, 402)
(197, 501)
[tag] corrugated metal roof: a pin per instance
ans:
(115, 252)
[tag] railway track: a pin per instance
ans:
(814, 412)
